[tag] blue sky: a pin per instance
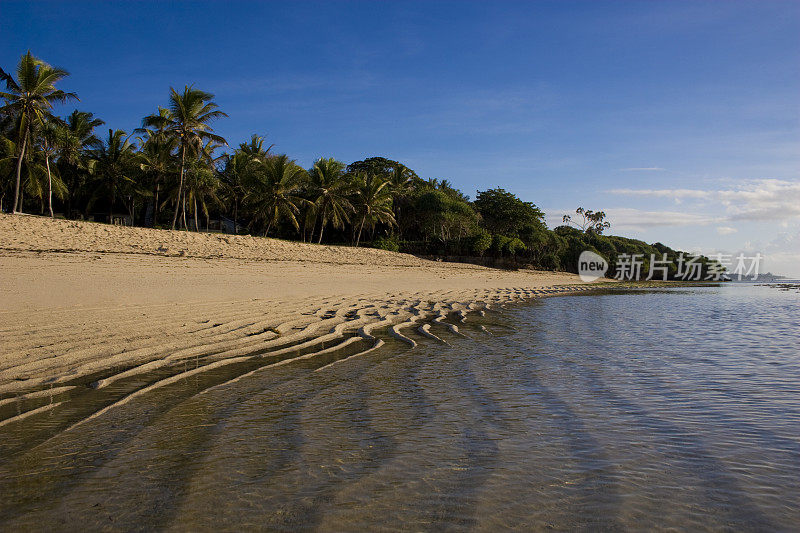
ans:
(679, 119)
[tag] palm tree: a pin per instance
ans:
(373, 202)
(51, 132)
(401, 181)
(401, 178)
(114, 164)
(30, 98)
(156, 162)
(33, 173)
(255, 148)
(74, 142)
(187, 120)
(328, 186)
(234, 176)
(7, 159)
(202, 183)
(273, 191)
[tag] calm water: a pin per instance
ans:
(669, 409)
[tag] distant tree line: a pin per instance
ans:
(175, 172)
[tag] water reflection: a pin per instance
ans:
(617, 411)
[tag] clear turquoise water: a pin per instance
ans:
(640, 410)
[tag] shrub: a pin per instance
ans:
(387, 243)
(514, 246)
(481, 242)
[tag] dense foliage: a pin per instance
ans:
(175, 172)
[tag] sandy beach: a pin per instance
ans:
(82, 299)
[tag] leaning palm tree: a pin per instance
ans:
(272, 191)
(373, 202)
(33, 173)
(30, 98)
(8, 157)
(188, 121)
(329, 188)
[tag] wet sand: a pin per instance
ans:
(82, 299)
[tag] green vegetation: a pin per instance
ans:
(174, 171)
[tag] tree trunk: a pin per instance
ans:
(155, 204)
(49, 183)
(17, 202)
(321, 230)
(235, 215)
(68, 214)
(269, 224)
(361, 227)
(180, 188)
(196, 219)
(305, 229)
(183, 214)
(111, 207)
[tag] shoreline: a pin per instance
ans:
(265, 348)
(102, 306)
(114, 302)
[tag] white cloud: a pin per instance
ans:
(673, 194)
(726, 230)
(637, 219)
(638, 169)
(763, 199)
(768, 199)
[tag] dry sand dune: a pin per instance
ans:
(41, 234)
(84, 302)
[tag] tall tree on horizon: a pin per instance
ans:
(373, 201)
(75, 141)
(327, 184)
(401, 180)
(273, 191)
(202, 183)
(33, 173)
(234, 176)
(187, 119)
(29, 99)
(156, 163)
(50, 134)
(7, 158)
(255, 148)
(114, 164)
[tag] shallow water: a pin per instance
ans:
(660, 409)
